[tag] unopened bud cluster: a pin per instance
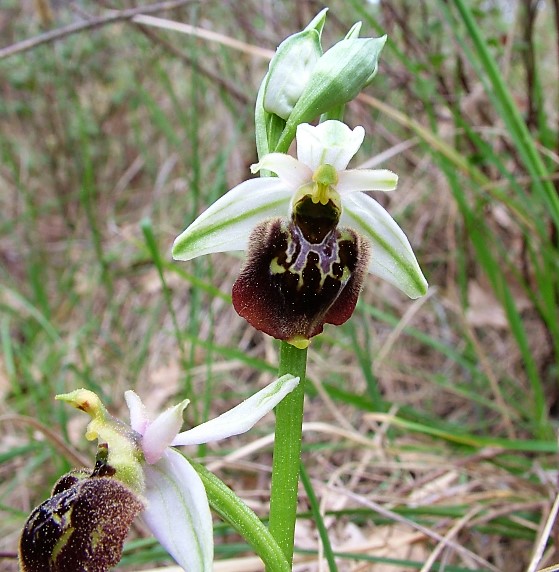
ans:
(303, 82)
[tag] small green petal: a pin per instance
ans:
(291, 172)
(366, 180)
(160, 433)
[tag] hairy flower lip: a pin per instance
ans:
(82, 526)
(302, 278)
(227, 224)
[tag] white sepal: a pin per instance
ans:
(227, 223)
(178, 513)
(392, 257)
(242, 417)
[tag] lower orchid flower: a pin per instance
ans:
(137, 469)
(311, 234)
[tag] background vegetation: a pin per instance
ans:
(430, 438)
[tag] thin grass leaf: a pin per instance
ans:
(318, 520)
(501, 95)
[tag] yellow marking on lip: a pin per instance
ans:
(276, 267)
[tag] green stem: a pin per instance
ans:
(234, 511)
(282, 146)
(287, 451)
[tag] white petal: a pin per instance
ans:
(240, 418)
(392, 257)
(291, 171)
(227, 223)
(178, 513)
(139, 418)
(366, 180)
(332, 143)
(160, 433)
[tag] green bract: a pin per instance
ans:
(304, 83)
(339, 75)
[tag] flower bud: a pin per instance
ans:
(339, 75)
(291, 68)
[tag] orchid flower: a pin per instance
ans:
(311, 234)
(177, 510)
(139, 468)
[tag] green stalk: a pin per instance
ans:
(287, 451)
(234, 511)
(286, 138)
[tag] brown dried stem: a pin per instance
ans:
(90, 24)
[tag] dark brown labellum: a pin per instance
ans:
(298, 277)
(70, 479)
(81, 528)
